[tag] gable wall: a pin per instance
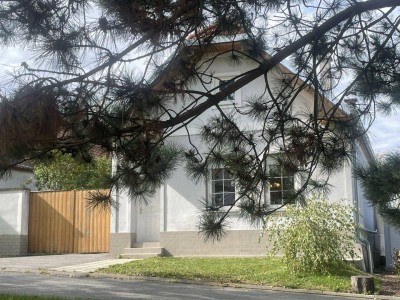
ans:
(256, 88)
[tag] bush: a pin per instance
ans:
(396, 260)
(65, 172)
(315, 238)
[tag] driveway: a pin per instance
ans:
(65, 262)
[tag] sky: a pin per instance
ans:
(385, 134)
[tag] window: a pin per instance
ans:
(221, 82)
(222, 187)
(281, 184)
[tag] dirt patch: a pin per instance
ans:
(390, 284)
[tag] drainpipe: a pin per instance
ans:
(369, 263)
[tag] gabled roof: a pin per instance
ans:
(195, 52)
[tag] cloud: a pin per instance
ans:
(385, 134)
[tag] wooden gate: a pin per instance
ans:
(61, 222)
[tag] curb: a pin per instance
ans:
(46, 272)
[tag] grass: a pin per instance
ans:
(257, 271)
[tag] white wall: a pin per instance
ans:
(123, 218)
(392, 236)
(256, 88)
(14, 212)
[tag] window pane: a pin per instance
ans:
(227, 174)
(217, 186)
(288, 183)
(275, 184)
(229, 186)
(229, 198)
(218, 199)
(217, 174)
(275, 198)
(275, 171)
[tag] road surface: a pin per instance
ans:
(107, 288)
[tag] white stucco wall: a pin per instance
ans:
(392, 236)
(122, 219)
(14, 211)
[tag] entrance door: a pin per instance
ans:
(149, 221)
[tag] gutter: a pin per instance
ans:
(368, 261)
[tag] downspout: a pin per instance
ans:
(114, 164)
(369, 263)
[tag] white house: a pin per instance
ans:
(170, 220)
(21, 176)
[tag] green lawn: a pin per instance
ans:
(258, 271)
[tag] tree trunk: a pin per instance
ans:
(363, 284)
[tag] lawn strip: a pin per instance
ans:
(255, 271)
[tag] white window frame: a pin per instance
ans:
(267, 195)
(211, 181)
(225, 77)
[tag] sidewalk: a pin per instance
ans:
(82, 263)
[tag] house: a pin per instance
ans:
(21, 176)
(169, 221)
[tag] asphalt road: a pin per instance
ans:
(106, 288)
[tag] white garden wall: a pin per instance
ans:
(14, 214)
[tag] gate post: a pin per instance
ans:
(14, 213)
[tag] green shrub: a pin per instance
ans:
(314, 238)
(65, 172)
(396, 260)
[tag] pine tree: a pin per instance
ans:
(108, 74)
(381, 182)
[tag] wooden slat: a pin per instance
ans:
(61, 222)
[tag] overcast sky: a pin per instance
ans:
(385, 134)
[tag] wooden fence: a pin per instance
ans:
(61, 222)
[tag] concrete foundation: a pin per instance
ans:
(119, 241)
(13, 245)
(236, 243)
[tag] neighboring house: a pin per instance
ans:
(170, 219)
(21, 177)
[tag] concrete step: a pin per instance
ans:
(146, 245)
(147, 249)
(156, 250)
(139, 255)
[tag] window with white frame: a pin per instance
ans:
(281, 184)
(223, 84)
(222, 187)
(223, 81)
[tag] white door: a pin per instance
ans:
(149, 222)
